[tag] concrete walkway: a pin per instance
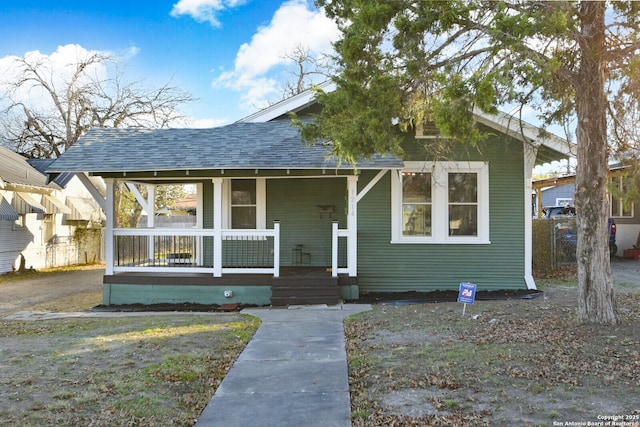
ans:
(292, 373)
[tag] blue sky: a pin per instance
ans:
(227, 53)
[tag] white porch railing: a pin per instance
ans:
(179, 250)
(335, 269)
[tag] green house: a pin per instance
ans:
(279, 222)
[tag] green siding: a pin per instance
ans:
(386, 267)
(295, 202)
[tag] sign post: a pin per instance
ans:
(466, 294)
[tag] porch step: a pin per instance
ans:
(304, 290)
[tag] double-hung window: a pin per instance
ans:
(246, 204)
(620, 208)
(416, 203)
(441, 202)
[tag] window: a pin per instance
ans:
(619, 209)
(246, 204)
(48, 227)
(243, 203)
(463, 204)
(416, 204)
(21, 222)
(441, 202)
(564, 201)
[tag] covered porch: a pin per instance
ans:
(308, 257)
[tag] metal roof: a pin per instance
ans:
(24, 203)
(42, 164)
(269, 145)
(15, 169)
(7, 213)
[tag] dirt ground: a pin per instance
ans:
(524, 362)
(29, 292)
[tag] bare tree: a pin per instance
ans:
(304, 66)
(49, 109)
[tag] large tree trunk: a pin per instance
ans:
(596, 297)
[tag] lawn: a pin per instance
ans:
(128, 371)
(506, 362)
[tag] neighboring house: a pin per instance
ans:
(562, 195)
(626, 216)
(30, 210)
(279, 222)
(79, 233)
(182, 213)
(38, 220)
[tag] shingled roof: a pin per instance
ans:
(269, 145)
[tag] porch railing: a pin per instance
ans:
(194, 250)
(336, 233)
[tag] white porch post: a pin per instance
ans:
(109, 239)
(276, 248)
(217, 227)
(334, 248)
(530, 153)
(352, 225)
(199, 222)
(151, 219)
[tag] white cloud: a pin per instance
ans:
(204, 10)
(56, 68)
(257, 62)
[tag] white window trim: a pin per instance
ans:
(619, 183)
(261, 203)
(440, 206)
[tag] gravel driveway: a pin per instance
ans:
(18, 295)
(626, 274)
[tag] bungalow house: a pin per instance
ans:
(38, 220)
(278, 222)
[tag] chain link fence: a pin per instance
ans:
(554, 243)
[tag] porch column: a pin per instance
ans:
(151, 220)
(109, 212)
(217, 227)
(352, 225)
(276, 248)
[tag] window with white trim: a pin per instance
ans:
(246, 202)
(441, 202)
(620, 209)
(416, 203)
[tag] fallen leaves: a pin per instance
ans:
(517, 362)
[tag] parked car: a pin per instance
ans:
(568, 235)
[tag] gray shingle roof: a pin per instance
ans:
(270, 145)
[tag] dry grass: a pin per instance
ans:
(125, 371)
(513, 362)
